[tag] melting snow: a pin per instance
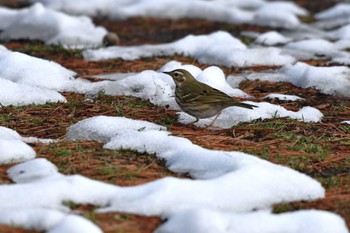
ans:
(272, 38)
(24, 69)
(275, 14)
(283, 97)
(50, 26)
(218, 48)
(12, 149)
(227, 181)
(207, 221)
(234, 115)
(329, 80)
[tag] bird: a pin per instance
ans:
(198, 99)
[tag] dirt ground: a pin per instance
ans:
(320, 150)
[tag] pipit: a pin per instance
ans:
(198, 99)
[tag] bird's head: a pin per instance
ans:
(180, 76)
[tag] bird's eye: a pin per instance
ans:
(176, 74)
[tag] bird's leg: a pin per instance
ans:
(212, 122)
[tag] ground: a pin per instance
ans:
(320, 150)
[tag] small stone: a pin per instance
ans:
(111, 38)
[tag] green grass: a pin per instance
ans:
(91, 215)
(39, 49)
(70, 204)
(247, 40)
(168, 120)
(332, 181)
(282, 208)
(297, 147)
(109, 170)
(263, 153)
(307, 19)
(340, 107)
(345, 129)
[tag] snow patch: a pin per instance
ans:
(283, 97)
(219, 48)
(39, 23)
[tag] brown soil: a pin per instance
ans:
(281, 141)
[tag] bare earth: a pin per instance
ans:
(320, 150)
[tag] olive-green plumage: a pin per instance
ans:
(198, 99)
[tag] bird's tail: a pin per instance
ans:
(243, 105)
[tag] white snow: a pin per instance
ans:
(150, 85)
(82, 7)
(41, 219)
(32, 170)
(23, 205)
(24, 69)
(224, 173)
(215, 77)
(75, 224)
(232, 116)
(219, 48)
(181, 155)
(340, 10)
(190, 45)
(247, 4)
(113, 76)
(27, 80)
(92, 129)
(50, 26)
(31, 218)
(210, 10)
(341, 33)
(6, 133)
(225, 193)
(279, 14)
(228, 182)
(275, 14)
(272, 38)
(227, 178)
(159, 88)
(39, 140)
(58, 189)
(342, 44)
(283, 97)
(207, 221)
(329, 80)
(317, 46)
(172, 65)
(237, 190)
(12, 149)
(20, 94)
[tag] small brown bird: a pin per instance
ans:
(198, 99)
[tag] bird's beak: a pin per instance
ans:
(168, 73)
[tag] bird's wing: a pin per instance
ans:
(210, 95)
(207, 95)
